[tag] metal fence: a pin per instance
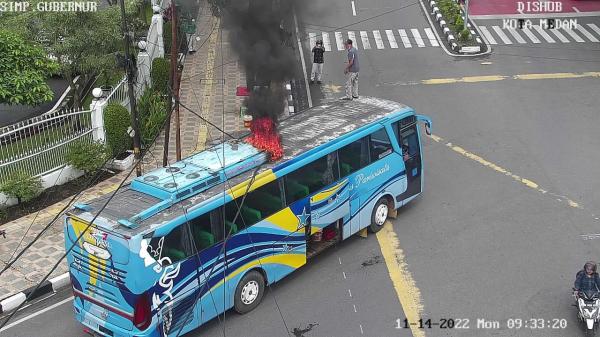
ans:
(40, 144)
(120, 94)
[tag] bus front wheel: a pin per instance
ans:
(249, 292)
(379, 215)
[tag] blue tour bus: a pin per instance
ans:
(180, 245)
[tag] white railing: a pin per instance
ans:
(40, 144)
(120, 94)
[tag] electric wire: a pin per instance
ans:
(82, 233)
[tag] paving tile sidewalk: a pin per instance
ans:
(203, 90)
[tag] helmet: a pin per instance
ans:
(590, 267)
(319, 41)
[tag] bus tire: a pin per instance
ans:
(379, 215)
(249, 292)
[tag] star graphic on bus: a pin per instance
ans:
(303, 218)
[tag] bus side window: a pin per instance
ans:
(380, 145)
(354, 156)
(170, 248)
(266, 199)
(203, 233)
(311, 178)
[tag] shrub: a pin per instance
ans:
(160, 75)
(86, 156)
(152, 111)
(464, 35)
(22, 186)
(116, 122)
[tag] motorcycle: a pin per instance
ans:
(588, 303)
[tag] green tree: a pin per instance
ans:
(24, 69)
(83, 43)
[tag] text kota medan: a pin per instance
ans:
(542, 23)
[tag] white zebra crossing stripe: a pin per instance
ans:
(544, 34)
(326, 42)
(432, 39)
(573, 35)
(339, 41)
(391, 39)
(559, 35)
(587, 34)
(418, 38)
(313, 39)
(404, 38)
(503, 36)
(516, 35)
(594, 28)
(530, 35)
(378, 39)
(352, 37)
(365, 40)
(488, 35)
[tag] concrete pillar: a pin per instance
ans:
(143, 71)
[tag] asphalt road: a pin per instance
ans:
(511, 185)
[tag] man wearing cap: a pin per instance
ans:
(317, 67)
(351, 71)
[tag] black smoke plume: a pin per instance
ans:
(260, 35)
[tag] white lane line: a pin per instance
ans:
(530, 35)
(344, 273)
(543, 34)
(352, 37)
(36, 313)
(559, 35)
(488, 35)
(326, 41)
(587, 34)
(354, 306)
(573, 35)
(503, 36)
(594, 28)
(365, 40)
(516, 35)
(353, 8)
(361, 329)
(418, 38)
(313, 39)
(404, 37)
(378, 39)
(575, 9)
(308, 95)
(434, 42)
(349, 293)
(339, 41)
(391, 38)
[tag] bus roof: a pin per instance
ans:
(165, 193)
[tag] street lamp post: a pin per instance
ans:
(466, 13)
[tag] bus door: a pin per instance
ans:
(408, 138)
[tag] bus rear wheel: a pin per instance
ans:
(249, 292)
(379, 215)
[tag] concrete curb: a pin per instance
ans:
(290, 99)
(52, 285)
(448, 36)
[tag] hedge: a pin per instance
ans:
(160, 75)
(116, 122)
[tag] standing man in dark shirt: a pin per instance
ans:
(317, 67)
(351, 71)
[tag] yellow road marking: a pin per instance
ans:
(404, 284)
(493, 78)
(527, 182)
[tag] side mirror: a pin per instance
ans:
(428, 128)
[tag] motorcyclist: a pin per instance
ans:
(587, 279)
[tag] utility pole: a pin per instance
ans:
(466, 13)
(175, 78)
(134, 117)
